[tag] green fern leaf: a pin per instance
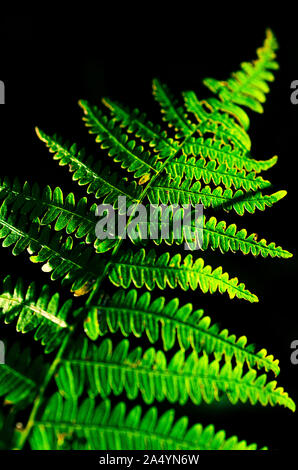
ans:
(166, 190)
(41, 313)
(103, 370)
(212, 121)
(228, 238)
(214, 235)
(205, 159)
(49, 206)
(223, 153)
(157, 319)
(133, 158)
(217, 173)
(66, 424)
(99, 179)
(72, 264)
(143, 269)
(174, 115)
(136, 123)
(249, 86)
(20, 376)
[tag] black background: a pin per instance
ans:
(48, 64)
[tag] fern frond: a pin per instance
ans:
(248, 86)
(166, 190)
(75, 265)
(228, 238)
(49, 206)
(143, 269)
(102, 370)
(213, 234)
(212, 121)
(86, 171)
(20, 375)
(218, 173)
(35, 312)
(157, 319)
(223, 153)
(66, 424)
(137, 123)
(143, 164)
(174, 115)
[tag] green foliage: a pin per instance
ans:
(20, 375)
(146, 269)
(204, 158)
(109, 371)
(215, 173)
(129, 314)
(178, 191)
(35, 312)
(223, 152)
(65, 424)
(227, 238)
(248, 86)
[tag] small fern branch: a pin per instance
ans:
(183, 191)
(174, 115)
(223, 153)
(212, 121)
(40, 313)
(143, 269)
(133, 158)
(71, 264)
(211, 171)
(106, 428)
(228, 238)
(101, 182)
(136, 123)
(103, 370)
(248, 86)
(130, 314)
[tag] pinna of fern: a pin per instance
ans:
(105, 370)
(207, 381)
(208, 160)
(102, 370)
(42, 315)
(130, 314)
(47, 206)
(73, 263)
(87, 426)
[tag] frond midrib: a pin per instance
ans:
(36, 240)
(189, 326)
(249, 242)
(88, 169)
(35, 309)
(221, 150)
(124, 149)
(172, 268)
(48, 204)
(219, 171)
(165, 373)
(126, 429)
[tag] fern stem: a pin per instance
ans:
(139, 201)
(38, 400)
